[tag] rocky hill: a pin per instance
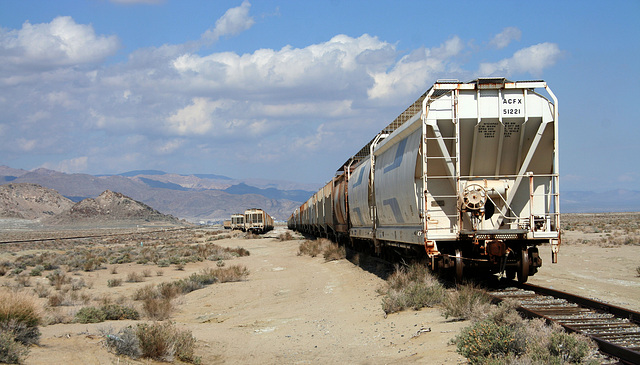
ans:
(109, 207)
(31, 201)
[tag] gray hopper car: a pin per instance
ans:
(466, 177)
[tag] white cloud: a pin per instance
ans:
(342, 63)
(177, 100)
(193, 119)
(531, 60)
(26, 145)
(73, 165)
(59, 43)
(169, 146)
(502, 39)
(234, 21)
(414, 72)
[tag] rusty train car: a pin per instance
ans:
(257, 221)
(466, 178)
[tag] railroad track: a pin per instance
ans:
(616, 330)
(104, 235)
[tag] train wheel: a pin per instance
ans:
(459, 265)
(523, 266)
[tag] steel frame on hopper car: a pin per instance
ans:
(467, 175)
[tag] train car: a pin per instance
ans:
(226, 224)
(257, 221)
(467, 176)
(237, 221)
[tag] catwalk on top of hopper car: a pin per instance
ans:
(253, 220)
(466, 178)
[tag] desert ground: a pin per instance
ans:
(297, 309)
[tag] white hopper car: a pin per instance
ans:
(467, 177)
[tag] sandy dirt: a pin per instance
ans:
(604, 273)
(301, 310)
(292, 309)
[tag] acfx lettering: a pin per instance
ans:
(512, 101)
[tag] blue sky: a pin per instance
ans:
(288, 90)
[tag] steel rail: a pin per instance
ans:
(616, 330)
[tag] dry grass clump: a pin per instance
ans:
(157, 299)
(287, 236)
(19, 320)
(134, 277)
(310, 247)
(503, 337)
(331, 251)
(108, 312)
(163, 342)
(413, 287)
(158, 341)
(466, 302)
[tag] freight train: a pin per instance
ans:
(253, 220)
(466, 179)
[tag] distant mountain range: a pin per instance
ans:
(198, 197)
(209, 197)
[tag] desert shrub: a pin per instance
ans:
(23, 280)
(90, 315)
(37, 271)
(310, 247)
(163, 342)
(11, 351)
(58, 278)
(41, 290)
(125, 342)
(164, 263)
(114, 282)
(287, 236)
(485, 340)
(466, 302)
(333, 251)
(503, 337)
(134, 277)
(638, 271)
(77, 284)
(5, 267)
(413, 287)
(19, 315)
(570, 347)
(146, 273)
(230, 274)
(157, 309)
(167, 290)
(114, 312)
(55, 299)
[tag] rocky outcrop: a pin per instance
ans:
(31, 201)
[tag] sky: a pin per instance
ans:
(289, 90)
